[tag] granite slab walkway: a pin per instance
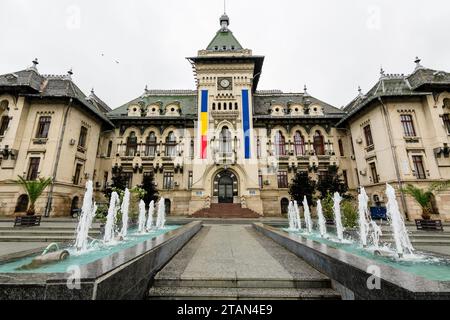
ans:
(236, 252)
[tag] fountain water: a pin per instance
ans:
(151, 211)
(297, 216)
(338, 217)
(161, 218)
(363, 212)
(142, 217)
(111, 218)
(87, 215)
(322, 222)
(124, 210)
(375, 234)
(307, 213)
(402, 243)
(291, 217)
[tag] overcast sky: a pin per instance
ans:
(332, 46)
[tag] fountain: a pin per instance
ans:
(291, 217)
(375, 234)
(402, 243)
(87, 215)
(337, 216)
(307, 213)
(322, 221)
(161, 218)
(297, 216)
(142, 218)
(124, 210)
(111, 218)
(151, 211)
(363, 212)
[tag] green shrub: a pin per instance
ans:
(327, 207)
(349, 214)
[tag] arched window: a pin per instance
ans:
(214, 106)
(150, 145)
(131, 145)
(284, 206)
(22, 203)
(319, 145)
(225, 141)
(299, 143)
(75, 205)
(219, 106)
(236, 106)
(171, 145)
(280, 144)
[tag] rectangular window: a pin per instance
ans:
(283, 179)
(190, 180)
(374, 172)
(4, 125)
(419, 167)
(83, 137)
(345, 177)
(108, 152)
(128, 177)
(33, 170)
(43, 127)
(76, 178)
(168, 180)
(446, 118)
(258, 148)
(408, 125)
(368, 136)
(260, 180)
(105, 180)
(341, 148)
(321, 175)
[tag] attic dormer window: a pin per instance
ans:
(216, 48)
(224, 48)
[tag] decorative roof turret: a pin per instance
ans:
(34, 66)
(417, 62)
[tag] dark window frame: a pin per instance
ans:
(43, 127)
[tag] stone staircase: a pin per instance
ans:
(264, 289)
(420, 238)
(49, 231)
(226, 211)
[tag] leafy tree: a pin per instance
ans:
(119, 183)
(332, 182)
(424, 197)
(151, 193)
(34, 190)
(302, 186)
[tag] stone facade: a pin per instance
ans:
(225, 142)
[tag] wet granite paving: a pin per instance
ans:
(236, 252)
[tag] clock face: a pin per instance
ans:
(224, 83)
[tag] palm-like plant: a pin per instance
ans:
(424, 197)
(34, 190)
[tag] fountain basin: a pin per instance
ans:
(350, 272)
(124, 273)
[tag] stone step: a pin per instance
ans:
(36, 238)
(193, 293)
(244, 283)
(37, 232)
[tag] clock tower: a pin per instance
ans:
(226, 168)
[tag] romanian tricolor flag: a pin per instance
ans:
(204, 125)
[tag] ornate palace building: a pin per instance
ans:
(226, 146)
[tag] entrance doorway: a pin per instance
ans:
(226, 189)
(226, 186)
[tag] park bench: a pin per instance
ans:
(27, 221)
(429, 225)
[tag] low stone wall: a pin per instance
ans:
(350, 273)
(123, 275)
